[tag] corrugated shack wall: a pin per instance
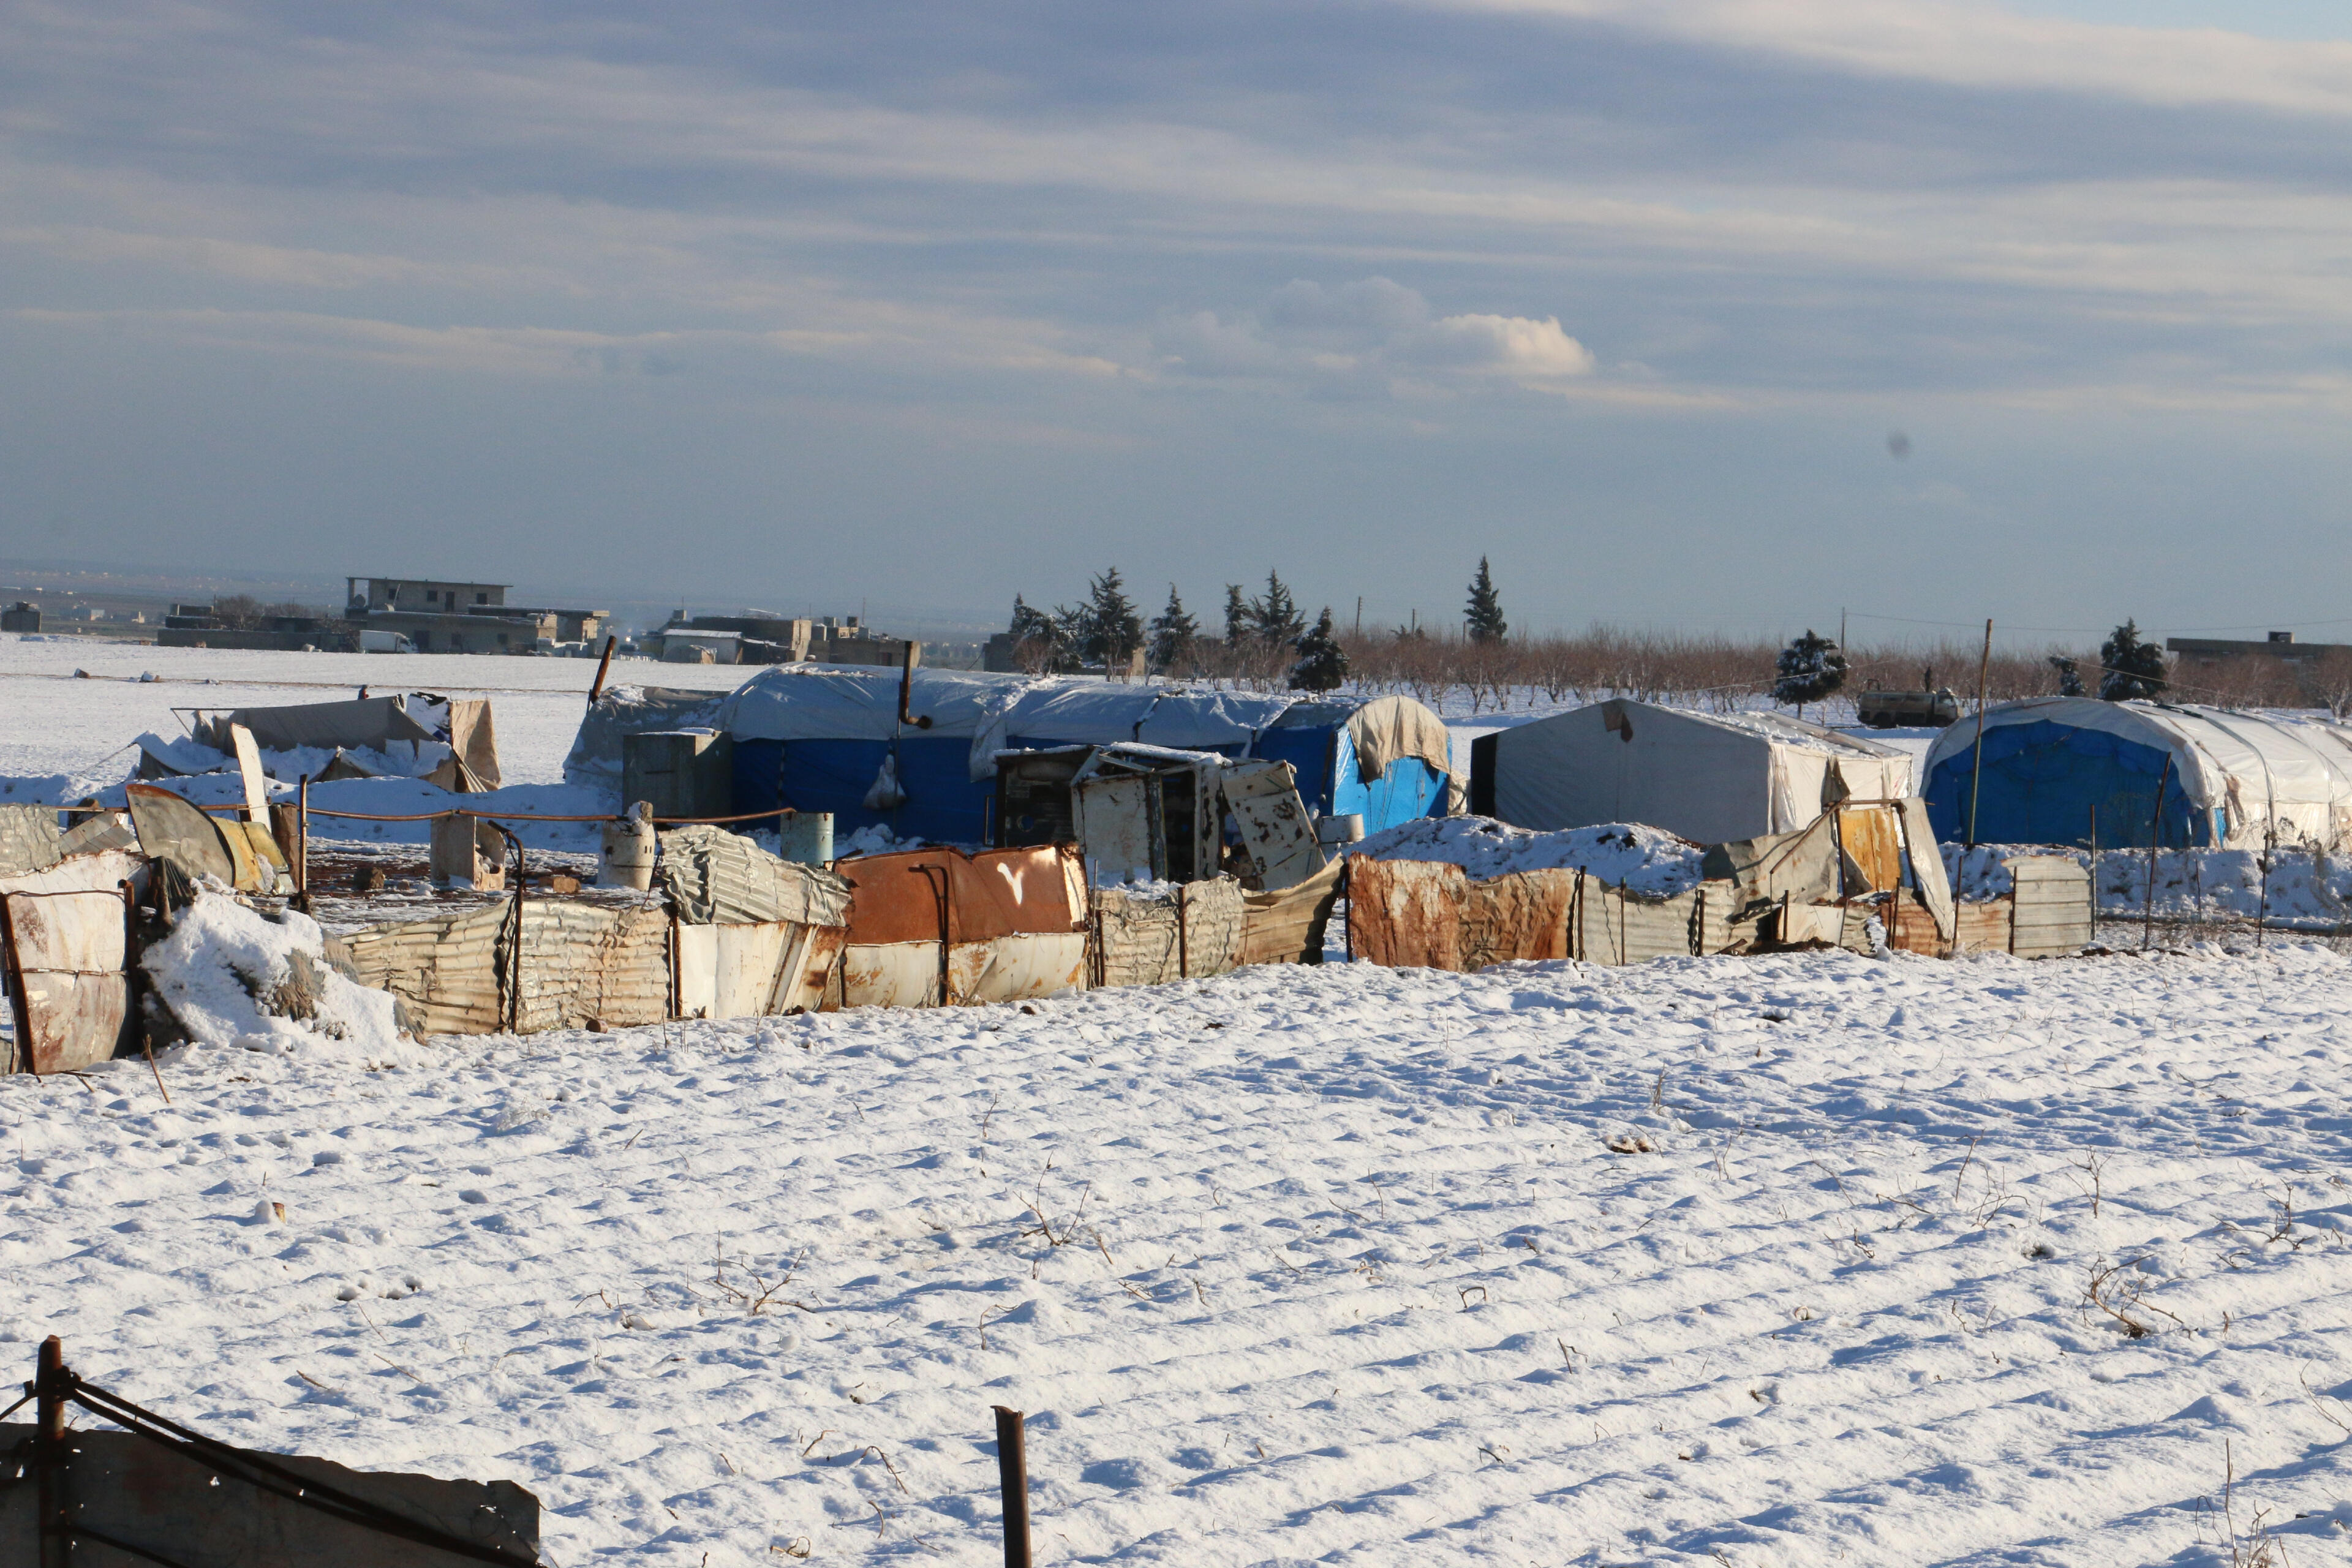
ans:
(1137, 940)
(447, 971)
(589, 966)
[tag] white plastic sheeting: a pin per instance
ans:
(1709, 778)
(2271, 776)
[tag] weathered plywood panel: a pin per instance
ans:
(1277, 832)
(1982, 928)
(1288, 926)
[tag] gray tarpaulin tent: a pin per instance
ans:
(1709, 777)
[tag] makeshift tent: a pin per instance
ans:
(1709, 777)
(2229, 779)
(816, 737)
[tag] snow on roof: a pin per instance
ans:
(1645, 860)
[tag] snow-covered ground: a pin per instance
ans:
(79, 729)
(1341, 1265)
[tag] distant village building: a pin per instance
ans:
(24, 615)
(440, 616)
(2204, 653)
(776, 639)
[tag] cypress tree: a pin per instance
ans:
(2131, 668)
(1237, 615)
(1114, 629)
(1485, 620)
(1322, 663)
(1808, 670)
(1173, 633)
(1275, 617)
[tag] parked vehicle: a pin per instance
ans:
(1909, 709)
(384, 642)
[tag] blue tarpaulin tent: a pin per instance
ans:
(816, 737)
(2227, 778)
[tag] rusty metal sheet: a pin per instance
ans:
(1288, 926)
(1911, 927)
(1406, 914)
(1277, 833)
(1873, 846)
(168, 827)
(1523, 915)
(1011, 968)
(993, 893)
(71, 1020)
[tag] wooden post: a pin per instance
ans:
(602, 664)
(1013, 1473)
(2155, 833)
(302, 835)
(1976, 781)
(2263, 909)
(2095, 874)
(54, 1526)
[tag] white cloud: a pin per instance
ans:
(1368, 337)
(1983, 46)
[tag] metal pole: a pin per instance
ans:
(54, 1527)
(302, 835)
(2094, 873)
(1013, 1471)
(2155, 833)
(1976, 781)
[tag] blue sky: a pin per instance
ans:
(917, 305)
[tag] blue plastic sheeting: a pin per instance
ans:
(1410, 788)
(2042, 780)
(944, 802)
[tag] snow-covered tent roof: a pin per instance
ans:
(994, 712)
(2230, 777)
(1709, 777)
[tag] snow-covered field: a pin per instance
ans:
(57, 725)
(1330, 1265)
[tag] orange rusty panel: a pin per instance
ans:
(1873, 845)
(1911, 926)
(1406, 913)
(997, 892)
(77, 1019)
(1522, 915)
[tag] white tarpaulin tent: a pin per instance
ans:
(2225, 777)
(1708, 777)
